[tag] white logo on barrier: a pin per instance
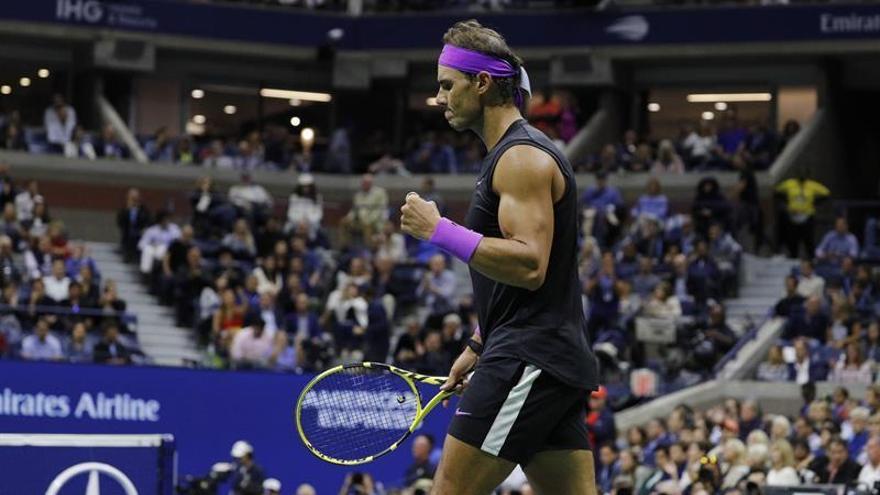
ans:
(95, 469)
(631, 28)
(90, 11)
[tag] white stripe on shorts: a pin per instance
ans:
(509, 411)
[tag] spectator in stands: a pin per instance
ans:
(305, 205)
(643, 160)
(41, 345)
(58, 283)
(368, 212)
(132, 221)
(600, 419)
(644, 281)
(759, 147)
(870, 473)
(545, 111)
(155, 240)
(801, 195)
(838, 244)
(189, 281)
(210, 212)
(700, 145)
(435, 361)
(792, 302)
(110, 350)
(726, 252)
(732, 135)
(789, 130)
(160, 147)
(652, 203)
(601, 290)
(608, 467)
(240, 241)
(663, 304)
(26, 200)
(809, 283)
(715, 339)
(782, 471)
(703, 274)
(852, 367)
(12, 138)
(667, 160)
(349, 309)
(837, 467)
(602, 206)
(76, 347)
(804, 370)
(421, 467)
(107, 145)
(813, 323)
(60, 122)
(79, 146)
(709, 206)
(252, 200)
(657, 436)
(734, 467)
(9, 272)
(437, 287)
(251, 346)
(774, 369)
(230, 316)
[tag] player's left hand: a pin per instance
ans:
(418, 217)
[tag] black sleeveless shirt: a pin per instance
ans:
(545, 327)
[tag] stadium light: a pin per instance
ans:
(728, 97)
(229, 109)
(6, 89)
(708, 115)
(307, 135)
(198, 94)
(199, 119)
(295, 121)
(295, 102)
(653, 107)
(288, 94)
(431, 102)
(25, 82)
(43, 73)
(721, 106)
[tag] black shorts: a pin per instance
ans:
(513, 410)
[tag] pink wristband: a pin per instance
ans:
(458, 241)
(477, 332)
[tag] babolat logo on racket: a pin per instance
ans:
(356, 410)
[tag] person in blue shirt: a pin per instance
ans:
(604, 204)
(653, 203)
(838, 243)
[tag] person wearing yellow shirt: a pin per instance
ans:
(800, 195)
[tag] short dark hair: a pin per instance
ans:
(472, 35)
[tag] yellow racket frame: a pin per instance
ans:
(408, 376)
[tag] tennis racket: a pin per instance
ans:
(354, 413)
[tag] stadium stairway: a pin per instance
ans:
(160, 339)
(762, 284)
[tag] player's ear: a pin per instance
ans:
(482, 82)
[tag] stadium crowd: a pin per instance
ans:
(55, 305)
(734, 145)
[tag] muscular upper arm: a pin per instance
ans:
(524, 180)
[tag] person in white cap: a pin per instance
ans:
(271, 487)
(248, 476)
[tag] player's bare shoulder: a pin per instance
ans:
(527, 168)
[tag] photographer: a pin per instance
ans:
(248, 477)
(358, 484)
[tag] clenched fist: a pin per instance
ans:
(418, 217)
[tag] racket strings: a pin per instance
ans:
(357, 412)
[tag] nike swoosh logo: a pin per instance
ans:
(479, 182)
(459, 412)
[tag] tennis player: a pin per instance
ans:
(525, 403)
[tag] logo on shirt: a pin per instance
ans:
(459, 412)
